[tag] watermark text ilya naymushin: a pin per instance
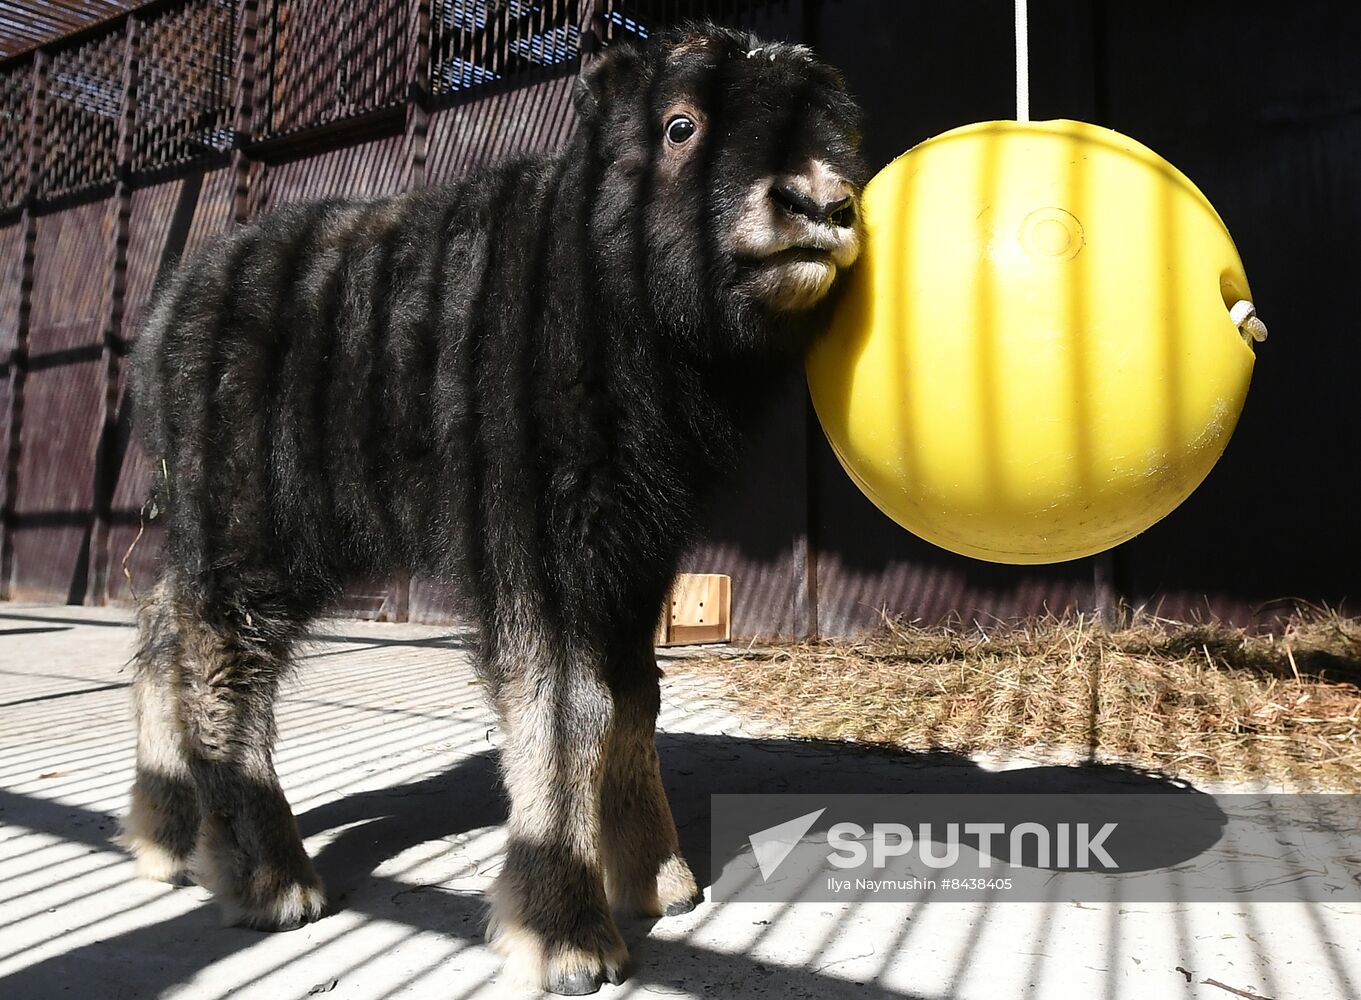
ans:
(877, 885)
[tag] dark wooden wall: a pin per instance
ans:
(127, 147)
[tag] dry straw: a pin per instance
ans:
(1191, 700)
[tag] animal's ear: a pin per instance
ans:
(618, 68)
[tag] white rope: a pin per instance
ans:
(1244, 316)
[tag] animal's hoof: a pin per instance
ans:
(280, 924)
(290, 924)
(578, 983)
(678, 907)
(586, 949)
(677, 891)
(154, 861)
(288, 910)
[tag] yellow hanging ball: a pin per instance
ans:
(1034, 359)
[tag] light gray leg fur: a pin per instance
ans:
(550, 915)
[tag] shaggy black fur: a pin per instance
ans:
(528, 380)
(525, 383)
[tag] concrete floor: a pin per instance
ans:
(388, 756)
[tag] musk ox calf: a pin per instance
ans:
(525, 383)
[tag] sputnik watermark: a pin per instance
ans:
(893, 840)
(1069, 842)
(1178, 846)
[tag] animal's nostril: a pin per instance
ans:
(841, 213)
(794, 202)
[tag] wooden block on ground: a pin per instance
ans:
(698, 610)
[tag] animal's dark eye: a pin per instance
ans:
(680, 129)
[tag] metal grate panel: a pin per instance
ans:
(184, 86)
(476, 42)
(84, 102)
(636, 19)
(16, 89)
(321, 62)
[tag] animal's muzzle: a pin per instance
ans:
(806, 216)
(830, 203)
(817, 210)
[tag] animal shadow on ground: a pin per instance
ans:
(379, 824)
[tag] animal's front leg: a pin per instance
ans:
(550, 917)
(645, 872)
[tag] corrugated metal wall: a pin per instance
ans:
(128, 147)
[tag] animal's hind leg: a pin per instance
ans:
(644, 870)
(249, 852)
(550, 915)
(162, 826)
